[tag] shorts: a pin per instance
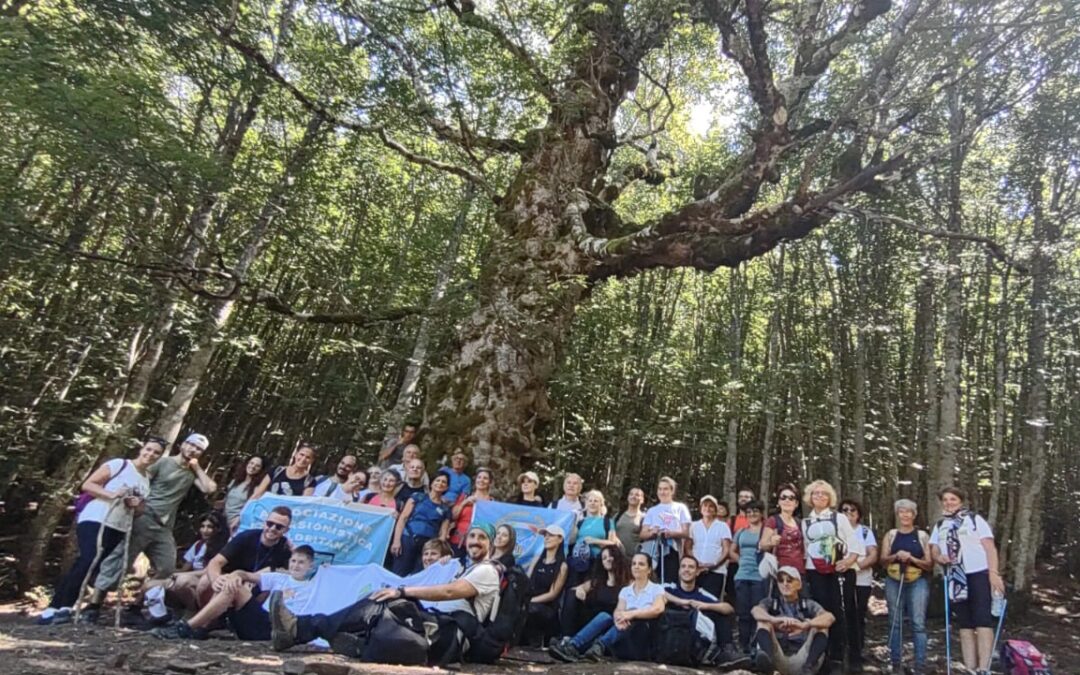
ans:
(250, 622)
(975, 611)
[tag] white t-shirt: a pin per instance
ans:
(642, 600)
(818, 534)
(122, 476)
(668, 517)
(295, 593)
(573, 505)
(709, 543)
(196, 555)
(865, 577)
(485, 579)
(972, 552)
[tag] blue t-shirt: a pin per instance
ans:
(460, 484)
(747, 541)
(427, 516)
(593, 526)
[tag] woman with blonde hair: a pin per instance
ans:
(832, 549)
(595, 533)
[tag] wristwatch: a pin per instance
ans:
(401, 592)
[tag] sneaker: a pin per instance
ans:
(46, 617)
(762, 663)
(347, 644)
(564, 650)
(595, 653)
(180, 630)
(63, 615)
(282, 623)
(89, 615)
(731, 657)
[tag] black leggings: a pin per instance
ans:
(542, 623)
(825, 590)
(67, 591)
(862, 601)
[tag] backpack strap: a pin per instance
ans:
(607, 525)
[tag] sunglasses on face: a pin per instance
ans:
(276, 526)
(848, 509)
(788, 498)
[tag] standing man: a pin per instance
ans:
(394, 451)
(326, 486)
(460, 483)
(151, 533)
(746, 495)
(571, 499)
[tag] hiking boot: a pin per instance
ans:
(347, 644)
(595, 653)
(90, 615)
(180, 630)
(731, 657)
(564, 650)
(282, 623)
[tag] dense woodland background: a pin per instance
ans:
(203, 229)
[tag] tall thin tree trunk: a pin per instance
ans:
(731, 453)
(1001, 356)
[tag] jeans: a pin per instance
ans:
(598, 628)
(747, 596)
(68, 590)
(632, 644)
(910, 604)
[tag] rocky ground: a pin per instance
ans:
(1052, 623)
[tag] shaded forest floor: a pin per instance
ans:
(1052, 623)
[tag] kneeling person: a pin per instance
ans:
(793, 632)
(241, 598)
(686, 594)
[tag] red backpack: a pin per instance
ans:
(1020, 657)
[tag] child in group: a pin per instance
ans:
(241, 597)
(212, 537)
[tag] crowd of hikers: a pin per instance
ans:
(782, 586)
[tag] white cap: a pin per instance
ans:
(198, 440)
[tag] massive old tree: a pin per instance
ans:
(824, 94)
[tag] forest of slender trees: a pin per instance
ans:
(734, 242)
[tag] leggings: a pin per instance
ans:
(825, 590)
(67, 591)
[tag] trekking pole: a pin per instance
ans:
(898, 620)
(948, 646)
(997, 633)
(97, 558)
(120, 588)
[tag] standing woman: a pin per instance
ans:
(596, 529)
(528, 486)
(246, 477)
(292, 480)
(424, 516)
(664, 528)
(782, 533)
(463, 508)
(545, 586)
(864, 566)
(386, 497)
(749, 586)
(907, 562)
(831, 551)
(119, 488)
(964, 543)
(628, 523)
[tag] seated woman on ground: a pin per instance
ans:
(626, 634)
(246, 477)
(505, 544)
(599, 593)
(241, 597)
(545, 586)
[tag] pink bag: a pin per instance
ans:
(1020, 657)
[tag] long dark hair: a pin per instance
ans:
(221, 533)
(620, 568)
(239, 474)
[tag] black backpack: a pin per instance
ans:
(394, 632)
(504, 629)
(678, 642)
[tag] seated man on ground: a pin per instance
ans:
(242, 599)
(793, 632)
(466, 603)
(626, 635)
(249, 551)
(686, 593)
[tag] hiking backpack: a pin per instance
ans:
(821, 565)
(1020, 657)
(85, 498)
(678, 642)
(502, 631)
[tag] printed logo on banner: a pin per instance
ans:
(527, 522)
(340, 533)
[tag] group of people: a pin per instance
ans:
(785, 586)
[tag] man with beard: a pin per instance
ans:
(151, 533)
(687, 594)
(463, 604)
(326, 486)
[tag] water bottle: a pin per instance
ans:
(997, 604)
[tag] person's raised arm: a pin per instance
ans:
(203, 481)
(261, 488)
(770, 538)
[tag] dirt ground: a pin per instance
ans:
(1052, 623)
